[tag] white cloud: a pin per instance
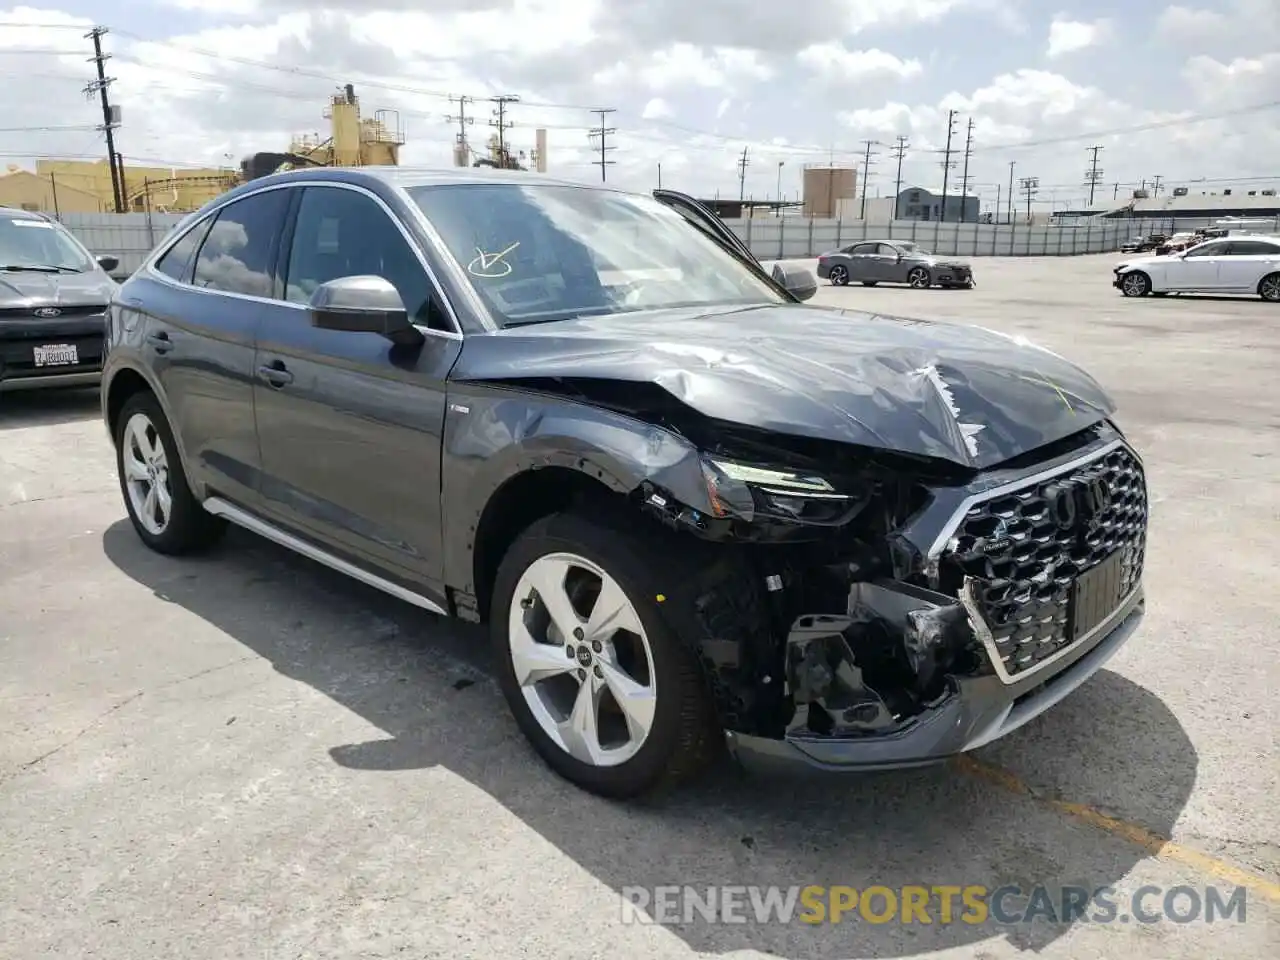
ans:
(1069, 36)
(832, 61)
(656, 109)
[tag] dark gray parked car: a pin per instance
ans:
(870, 262)
(53, 304)
(694, 511)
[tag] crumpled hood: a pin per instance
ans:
(20, 288)
(959, 393)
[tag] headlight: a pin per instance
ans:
(749, 492)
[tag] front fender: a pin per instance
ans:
(493, 435)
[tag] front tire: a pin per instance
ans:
(919, 278)
(1269, 288)
(161, 506)
(1135, 284)
(597, 681)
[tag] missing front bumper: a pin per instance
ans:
(975, 711)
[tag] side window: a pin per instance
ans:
(238, 255)
(1208, 250)
(1252, 248)
(862, 248)
(885, 250)
(176, 263)
(342, 233)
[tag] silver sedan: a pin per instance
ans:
(870, 262)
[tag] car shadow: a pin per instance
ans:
(41, 408)
(424, 681)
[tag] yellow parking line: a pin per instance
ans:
(1153, 843)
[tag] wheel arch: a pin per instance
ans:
(127, 382)
(1265, 277)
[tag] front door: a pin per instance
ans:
(1198, 268)
(349, 423)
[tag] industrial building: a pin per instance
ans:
(824, 186)
(1185, 203)
(921, 203)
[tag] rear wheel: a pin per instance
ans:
(919, 278)
(839, 276)
(597, 680)
(1135, 284)
(164, 512)
(1269, 288)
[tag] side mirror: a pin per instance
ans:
(107, 262)
(365, 304)
(798, 281)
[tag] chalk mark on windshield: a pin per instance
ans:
(491, 266)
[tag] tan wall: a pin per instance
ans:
(824, 187)
(28, 191)
(94, 179)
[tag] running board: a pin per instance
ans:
(242, 518)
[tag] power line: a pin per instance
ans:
(899, 151)
(500, 121)
(1093, 176)
(110, 115)
(603, 133)
(1155, 186)
(1030, 187)
(866, 173)
(947, 162)
(742, 174)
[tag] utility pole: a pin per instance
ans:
(742, 174)
(866, 173)
(500, 121)
(110, 115)
(603, 133)
(899, 151)
(964, 178)
(1093, 176)
(463, 121)
(1030, 186)
(1155, 186)
(777, 211)
(947, 162)
(1012, 164)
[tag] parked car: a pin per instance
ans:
(693, 511)
(1141, 244)
(53, 304)
(1230, 265)
(870, 262)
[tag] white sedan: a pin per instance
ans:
(1226, 265)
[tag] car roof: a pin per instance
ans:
(13, 213)
(407, 177)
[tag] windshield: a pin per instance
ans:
(536, 253)
(41, 244)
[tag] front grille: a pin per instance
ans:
(1027, 563)
(65, 312)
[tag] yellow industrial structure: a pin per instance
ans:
(81, 186)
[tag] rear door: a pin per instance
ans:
(350, 424)
(218, 283)
(1245, 263)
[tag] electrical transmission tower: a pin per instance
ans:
(742, 174)
(947, 162)
(502, 123)
(1030, 187)
(899, 151)
(603, 133)
(866, 173)
(463, 121)
(110, 115)
(964, 177)
(1093, 176)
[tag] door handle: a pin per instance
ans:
(160, 342)
(275, 373)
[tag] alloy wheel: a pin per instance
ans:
(582, 659)
(146, 474)
(918, 278)
(839, 276)
(1270, 288)
(1135, 285)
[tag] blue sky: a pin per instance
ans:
(692, 85)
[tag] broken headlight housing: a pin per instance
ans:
(749, 492)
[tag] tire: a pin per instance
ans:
(919, 278)
(869, 283)
(1135, 284)
(147, 459)
(839, 276)
(1269, 288)
(682, 733)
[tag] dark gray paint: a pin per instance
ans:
(891, 263)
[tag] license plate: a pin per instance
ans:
(56, 355)
(1096, 595)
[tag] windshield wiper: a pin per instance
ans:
(37, 268)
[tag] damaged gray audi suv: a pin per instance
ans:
(695, 512)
